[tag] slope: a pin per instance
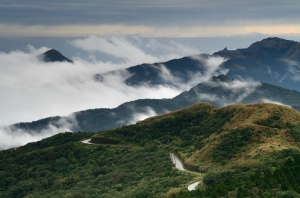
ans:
(272, 60)
(248, 149)
(218, 91)
(62, 166)
(175, 72)
(236, 145)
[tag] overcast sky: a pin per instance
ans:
(155, 18)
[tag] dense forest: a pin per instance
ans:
(234, 151)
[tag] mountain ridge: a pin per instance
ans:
(219, 91)
(249, 148)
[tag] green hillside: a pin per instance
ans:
(243, 142)
(62, 166)
(241, 150)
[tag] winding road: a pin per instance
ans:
(179, 166)
(175, 161)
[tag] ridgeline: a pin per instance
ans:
(243, 151)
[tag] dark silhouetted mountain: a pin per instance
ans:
(272, 60)
(173, 72)
(54, 56)
(219, 91)
(222, 90)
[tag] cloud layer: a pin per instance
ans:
(228, 92)
(11, 137)
(32, 89)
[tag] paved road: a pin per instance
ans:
(179, 166)
(193, 186)
(87, 141)
(175, 161)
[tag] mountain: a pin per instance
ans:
(249, 148)
(234, 151)
(54, 56)
(219, 91)
(175, 72)
(222, 90)
(272, 60)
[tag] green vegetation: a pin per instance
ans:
(187, 127)
(231, 144)
(244, 151)
(295, 132)
(277, 177)
(69, 168)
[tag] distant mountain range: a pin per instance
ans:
(257, 73)
(219, 91)
(272, 60)
(173, 72)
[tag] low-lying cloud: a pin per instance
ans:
(229, 92)
(209, 66)
(266, 100)
(32, 89)
(138, 116)
(293, 68)
(11, 136)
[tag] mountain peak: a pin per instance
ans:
(54, 56)
(272, 42)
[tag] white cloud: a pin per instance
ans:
(235, 91)
(274, 102)
(129, 48)
(138, 116)
(31, 89)
(11, 137)
(119, 47)
(293, 70)
(210, 66)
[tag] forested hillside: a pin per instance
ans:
(234, 151)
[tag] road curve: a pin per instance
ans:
(179, 166)
(88, 141)
(193, 186)
(175, 161)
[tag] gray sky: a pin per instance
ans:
(156, 18)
